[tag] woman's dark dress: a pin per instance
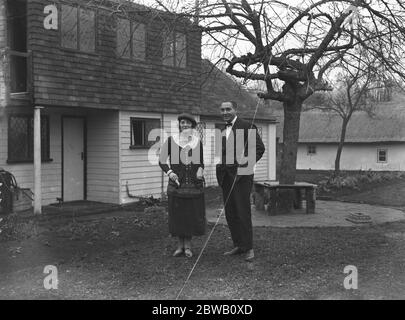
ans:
(186, 209)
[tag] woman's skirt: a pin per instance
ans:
(186, 215)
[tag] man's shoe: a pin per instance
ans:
(188, 252)
(178, 252)
(234, 251)
(250, 254)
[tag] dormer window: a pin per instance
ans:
(78, 28)
(131, 36)
(175, 49)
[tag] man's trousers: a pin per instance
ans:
(238, 210)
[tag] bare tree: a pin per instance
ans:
(358, 86)
(296, 42)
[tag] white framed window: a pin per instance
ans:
(382, 155)
(140, 129)
(311, 149)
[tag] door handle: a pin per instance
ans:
(82, 155)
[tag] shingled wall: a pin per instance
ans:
(71, 78)
(2, 48)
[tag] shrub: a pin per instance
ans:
(356, 181)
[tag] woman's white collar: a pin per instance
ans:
(183, 140)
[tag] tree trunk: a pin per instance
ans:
(292, 115)
(340, 146)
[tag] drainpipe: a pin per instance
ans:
(37, 161)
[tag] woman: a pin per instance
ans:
(185, 189)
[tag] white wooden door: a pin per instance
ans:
(73, 159)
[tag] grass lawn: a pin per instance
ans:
(127, 255)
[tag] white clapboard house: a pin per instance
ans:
(98, 80)
(374, 143)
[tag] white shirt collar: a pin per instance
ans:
(234, 120)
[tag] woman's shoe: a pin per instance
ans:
(188, 253)
(178, 252)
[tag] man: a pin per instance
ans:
(235, 176)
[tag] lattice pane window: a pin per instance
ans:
(138, 41)
(131, 39)
(69, 25)
(21, 138)
(78, 28)
(181, 50)
(168, 49)
(87, 30)
(175, 49)
(123, 38)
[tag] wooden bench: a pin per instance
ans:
(261, 188)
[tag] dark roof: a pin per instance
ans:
(217, 87)
(139, 8)
(387, 125)
(361, 128)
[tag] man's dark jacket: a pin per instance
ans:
(232, 168)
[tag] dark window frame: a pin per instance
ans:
(145, 143)
(45, 152)
(78, 7)
(17, 40)
(311, 149)
(385, 150)
(173, 59)
(131, 40)
(16, 34)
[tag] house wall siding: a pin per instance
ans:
(354, 157)
(103, 80)
(103, 156)
(143, 178)
(139, 168)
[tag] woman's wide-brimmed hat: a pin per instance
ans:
(189, 117)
